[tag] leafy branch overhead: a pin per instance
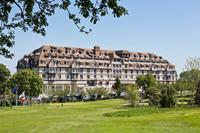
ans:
(32, 15)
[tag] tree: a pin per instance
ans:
(190, 75)
(27, 80)
(153, 94)
(101, 92)
(192, 78)
(192, 64)
(32, 15)
(133, 94)
(4, 77)
(145, 81)
(168, 98)
(182, 85)
(118, 87)
(92, 93)
(197, 97)
(96, 93)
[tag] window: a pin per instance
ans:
(43, 76)
(81, 76)
(131, 71)
(81, 70)
(137, 72)
(108, 71)
(95, 71)
(125, 71)
(67, 76)
(100, 83)
(88, 76)
(101, 70)
(88, 70)
(142, 72)
(59, 76)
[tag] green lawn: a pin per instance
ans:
(108, 116)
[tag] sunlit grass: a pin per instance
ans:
(109, 116)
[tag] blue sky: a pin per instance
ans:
(169, 28)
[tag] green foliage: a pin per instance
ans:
(139, 111)
(145, 81)
(189, 81)
(28, 81)
(197, 97)
(133, 94)
(4, 77)
(59, 92)
(168, 98)
(101, 92)
(191, 75)
(182, 85)
(33, 15)
(118, 86)
(96, 93)
(92, 93)
(192, 64)
(153, 94)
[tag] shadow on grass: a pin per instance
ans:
(138, 111)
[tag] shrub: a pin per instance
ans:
(168, 96)
(133, 94)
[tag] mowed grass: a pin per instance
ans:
(109, 116)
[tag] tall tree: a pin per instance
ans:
(197, 97)
(182, 85)
(32, 15)
(145, 81)
(133, 94)
(101, 92)
(192, 63)
(153, 94)
(168, 98)
(92, 92)
(27, 80)
(4, 76)
(118, 87)
(192, 78)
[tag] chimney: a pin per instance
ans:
(96, 50)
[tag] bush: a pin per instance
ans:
(197, 96)
(153, 94)
(133, 94)
(168, 96)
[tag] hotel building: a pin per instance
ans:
(64, 67)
